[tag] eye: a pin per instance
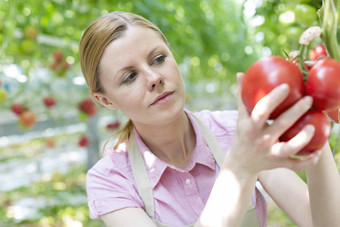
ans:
(130, 78)
(159, 59)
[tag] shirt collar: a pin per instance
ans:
(156, 166)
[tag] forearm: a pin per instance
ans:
(229, 198)
(324, 190)
(294, 200)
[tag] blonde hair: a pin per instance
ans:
(124, 134)
(95, 39)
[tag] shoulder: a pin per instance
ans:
(219, 122)
(111, 172)
(110, 184)
(112, 160)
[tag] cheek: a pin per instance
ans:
(172, 70)
(129, 98)
(129, 107)
(179, 78)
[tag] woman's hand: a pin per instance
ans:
(256, 145)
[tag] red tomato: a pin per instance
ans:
(333, 115)
(318, 50)
(86, 105)
(17, 108)
(54, 66)
(27, 119)
(49, 102)
(84, 141)
(266, 74)
(113, 125)
(322, 130)
(58, 56)
(50, 142)
(323, 84)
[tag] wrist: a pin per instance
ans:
(242, 172)
(324, 158)
(230, 196)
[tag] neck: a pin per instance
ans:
(173, 142)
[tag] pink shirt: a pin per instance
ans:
(179, 194)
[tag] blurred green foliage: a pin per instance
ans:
(284, 22)
(209, 38)
(64, 202)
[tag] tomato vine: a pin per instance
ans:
(329, 18)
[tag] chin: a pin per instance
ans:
(171, 114)
(177, 110)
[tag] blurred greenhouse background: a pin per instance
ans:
(50, 130)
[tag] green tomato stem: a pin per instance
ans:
(328, 16)
(302, 62)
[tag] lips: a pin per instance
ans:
(162, 98)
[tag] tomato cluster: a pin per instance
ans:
(27, 118)
(83, 141)
(60, 65)
(322, 83)
(113, 125)
(87, 108)
(317, 52)
(49, 101)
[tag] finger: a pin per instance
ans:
(305, 162)
(298, 164)
(294, 145)
(268, 103)
(239, 77)
(289, 117)
(241, 108)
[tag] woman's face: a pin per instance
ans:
(141, 78)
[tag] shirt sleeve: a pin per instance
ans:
(110, 186)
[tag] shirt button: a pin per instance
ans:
(187, 181)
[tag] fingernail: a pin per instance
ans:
(310, 128)
(308, 100)
(284, 87)
(318, 153)
(238, 75)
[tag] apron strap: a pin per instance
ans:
(212, 143)
(140, 174)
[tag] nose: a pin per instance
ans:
(156, 82)
(154, 79)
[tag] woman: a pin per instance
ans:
(169, 166)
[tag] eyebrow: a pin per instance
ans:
(154, 50)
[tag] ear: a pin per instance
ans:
(104, 101)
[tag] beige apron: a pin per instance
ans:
(144, 186)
